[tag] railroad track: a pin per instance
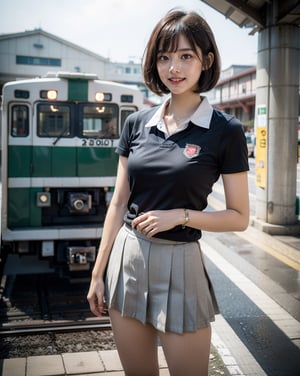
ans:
(53, 327)
(36, 304)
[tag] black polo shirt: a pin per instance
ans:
(179, 171)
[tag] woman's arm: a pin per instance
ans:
(113, 222)
(234, 218)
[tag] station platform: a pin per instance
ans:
(236, 358)
(86, 363)
(107, 362)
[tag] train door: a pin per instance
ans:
(17, 169)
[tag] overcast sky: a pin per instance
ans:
(119, 29)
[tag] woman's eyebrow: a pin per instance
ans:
(178, 49)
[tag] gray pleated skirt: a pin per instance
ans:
(160, 282)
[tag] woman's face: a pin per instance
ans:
(180, 71)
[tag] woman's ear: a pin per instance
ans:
(209, 59)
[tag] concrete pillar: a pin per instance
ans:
(277, 92)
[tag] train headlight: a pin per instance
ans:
(103, 97)
(48, 94)
(43, 199)
(99, 97)
(52, 95)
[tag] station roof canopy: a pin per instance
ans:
(252, 13)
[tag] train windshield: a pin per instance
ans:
(82, 120)
(99, 120)
(54, 120)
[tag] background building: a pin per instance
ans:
(35, 53)
(235, 93)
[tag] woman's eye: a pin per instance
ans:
(162, 58)
(186, 56)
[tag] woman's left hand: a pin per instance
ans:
(155, 221)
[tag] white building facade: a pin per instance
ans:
(35, 53)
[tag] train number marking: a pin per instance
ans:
(97, 142)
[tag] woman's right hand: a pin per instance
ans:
(95, 297)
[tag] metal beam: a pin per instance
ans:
(249, 11)
(289, 9)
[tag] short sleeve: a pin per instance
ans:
(234, 152)
(123, 147)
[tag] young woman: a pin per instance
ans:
(156, 285)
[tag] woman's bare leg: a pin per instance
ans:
(136, 344)
(187, 354)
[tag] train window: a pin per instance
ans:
(54, 120)
(127, 98)
(124, 114)
(23, 94)
(19, 121)
(99, 120)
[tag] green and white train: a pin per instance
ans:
(59, 135)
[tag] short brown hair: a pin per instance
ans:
(166, 35)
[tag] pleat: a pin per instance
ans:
(135, 272)
(113, 275)
(190, 297)
(175, 310)
(159, 286)
(199, 308)
(213, 307)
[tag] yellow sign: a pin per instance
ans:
(261, 157)
(261, 146)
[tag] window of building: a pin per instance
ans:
(32, 60)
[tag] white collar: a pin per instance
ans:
(201, 117)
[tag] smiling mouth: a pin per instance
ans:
(174, 80)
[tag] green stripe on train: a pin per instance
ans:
(49, 161)
(22, 209)
(78, 90)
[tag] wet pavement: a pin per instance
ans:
(261, 305)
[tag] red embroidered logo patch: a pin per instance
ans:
(191, 151)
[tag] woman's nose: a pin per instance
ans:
(174, 66)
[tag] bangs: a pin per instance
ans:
(169, 38)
